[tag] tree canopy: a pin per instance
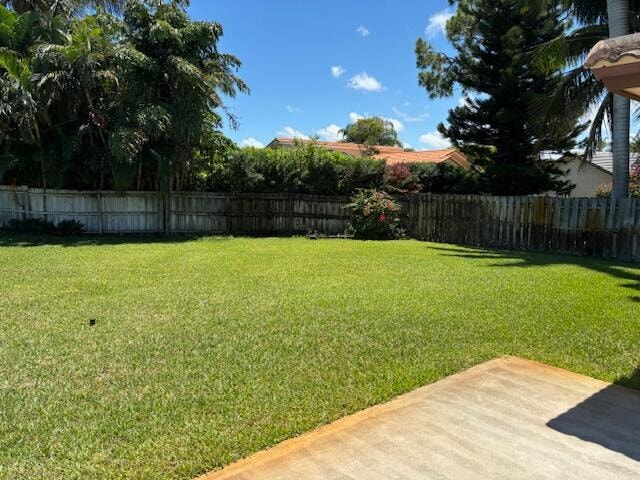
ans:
(109, 101)
(369, 132)
(495, 126)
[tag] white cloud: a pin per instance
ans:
(330, 133)
(290, 132)
(292, 109)
(438, 23)
(337, 71)
(407, 146)
(251, 142)
(410, 118)
(435, 140)
(354, 117)
(397, 124)
(363, 31)
(365, 82)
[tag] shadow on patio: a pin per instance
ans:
(610, 418)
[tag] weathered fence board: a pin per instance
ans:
(578, 226)
(179, 213)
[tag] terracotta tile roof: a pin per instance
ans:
(390, 154)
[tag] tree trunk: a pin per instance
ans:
(618, 12)
(139, 181)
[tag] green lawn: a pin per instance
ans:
(207, 350)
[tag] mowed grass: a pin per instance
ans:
(207, 350)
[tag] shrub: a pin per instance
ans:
(37, 226)
(374, 215)
(604, 190)
(31, 226)
(444, 178)
(308, 168)
(305, 168)
(399, 178)
(70, 228)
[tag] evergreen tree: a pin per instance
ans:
(495, 126)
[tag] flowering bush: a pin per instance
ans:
(604, 190)
(375, 215)
(400, 179)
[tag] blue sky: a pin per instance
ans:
(314, 66)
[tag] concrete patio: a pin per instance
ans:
(505, 419)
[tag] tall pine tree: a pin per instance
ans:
(495, 126)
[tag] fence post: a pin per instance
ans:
(229, 219)
(99, 200)
(26, 203)
(290, 213)
(44, 204)
(167, 212)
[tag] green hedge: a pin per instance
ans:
(313, 170)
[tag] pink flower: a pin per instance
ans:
(382, 218)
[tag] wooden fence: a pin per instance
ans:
(178, 213)
(581, 226)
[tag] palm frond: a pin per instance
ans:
(17, 68)
(568, 50)
(601, 120)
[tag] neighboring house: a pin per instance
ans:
(450, 156)
(588, 176)
(605, 160)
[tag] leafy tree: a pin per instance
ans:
(173, 76)
(69, 6)
(98, 100)
(78, 77)
(370, 132)
(24, 112)
(495, 127)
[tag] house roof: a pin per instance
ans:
(390, 154)
(613, 50)
(601, 160)
(604, 160)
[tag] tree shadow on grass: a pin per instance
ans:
(12, 240)
(628, 272)
(610, 418)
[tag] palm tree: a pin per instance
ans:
(578, 93)
(46, 68)
(23, 6)
(75, 75)
(618, 12)
(19, 107)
